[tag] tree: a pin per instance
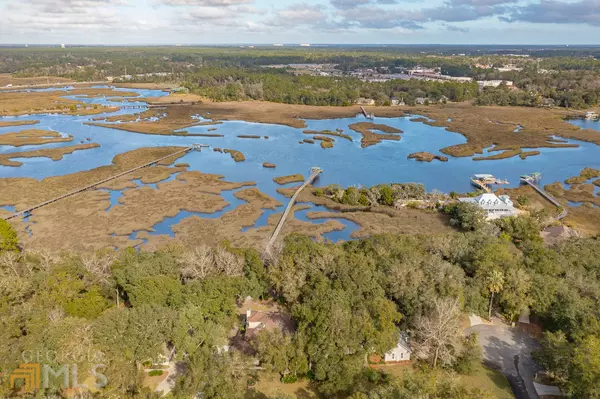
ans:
(438, 336)
(466, 216)
(470, 357)
(212, 375)
(585, 369)
(8, 238)
(194, 330)
(495, 283)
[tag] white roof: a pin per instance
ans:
(489, 200)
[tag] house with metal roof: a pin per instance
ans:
(495, 206)
(401, 352)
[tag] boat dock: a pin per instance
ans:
(315, 171)
(485, 182)
(27, 212)
(366, 114)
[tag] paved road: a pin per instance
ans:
(509, 351)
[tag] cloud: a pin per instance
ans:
(557, 12)
(379, 18)
(61, 15)
(348, 4)
(454, 28)
(477, 3)
(462, 13)
(298, 14)
(206, 3)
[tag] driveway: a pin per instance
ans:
(509, 351)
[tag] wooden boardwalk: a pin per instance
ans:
(550, 198)
(28, 211)
(315, 172)
(366, 114)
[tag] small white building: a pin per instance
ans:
(365, 101)
(397, 102)
(493, 83)
(495, 206)
(401, 353)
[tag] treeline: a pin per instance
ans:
(277, 85)
(573, 89)
(381, 194)
(544, 96)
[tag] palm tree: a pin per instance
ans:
(495, 283)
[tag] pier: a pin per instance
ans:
(366, 114)
(314, 173)
(533, 181)
(484, 182)
(28, 211)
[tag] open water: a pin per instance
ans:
(346, 164)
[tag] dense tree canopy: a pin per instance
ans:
(346, 302)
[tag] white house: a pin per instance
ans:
(400, 353)
(495, 206)
(365, 101)
(493, 83)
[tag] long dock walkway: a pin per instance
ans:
(94, 185)
(550, 198)
(315, 172)
(365, 113)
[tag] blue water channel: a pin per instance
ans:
(347, 164)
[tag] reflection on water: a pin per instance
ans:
(346, 164)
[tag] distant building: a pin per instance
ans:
(421, 100)
(365, 101)
(509, 68)
(493, 83)
(278, 45)
(423, 71)
(304, 45)
(495, 206)
(62, 46)
(396, 102)
(401, 352)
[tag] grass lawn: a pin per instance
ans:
(491, 381)
(269, 385)
(483, 378)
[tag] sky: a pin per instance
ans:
(137, 22)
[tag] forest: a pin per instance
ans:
(276, 85)
(346, 302)
(564, 77)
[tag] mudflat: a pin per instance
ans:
(32, 137)
(55, 154)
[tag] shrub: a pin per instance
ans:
(8, 238)
(318, 192)
(522, 200)
(155, 373)
(465, 215)
(387, 195)
(363, 199)
(289, 379)
(351, 196)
